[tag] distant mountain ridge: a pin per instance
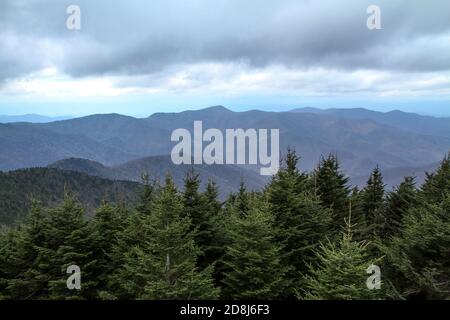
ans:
(438, 126)
(32, 118)
(361, 138)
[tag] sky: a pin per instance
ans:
(138, 57)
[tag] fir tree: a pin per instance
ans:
(356, 210)
(373, 205)
(164, 266)
(253, 259)
(418, 258)
(341, 272)
(21, 277)
(42, 249)
(437, 184)
(212, 196)
(202, 209)
(69, 244)
(134, 232)
(300, 219)
(104, 232)
(191, 197)
(399, 201)
(146, 195)
(242, 199)
(214, 245)
(331, 185)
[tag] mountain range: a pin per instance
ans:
(34, 118)
(120, 147)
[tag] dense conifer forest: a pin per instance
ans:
(305, 236)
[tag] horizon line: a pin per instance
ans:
(136, 115)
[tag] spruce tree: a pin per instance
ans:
(105, 230)
(331, 185)
(341, 272)
(399, 201)
(21, 277)
(164, 265)
(147, 194)
(213, 245)
(253, 259)
(356, 210)
(242, 199)
(373, 205)
(437, 184)
(418, 258)
(43, 247)
(203, 210)
(191, 197)
(70, 244)
(301, 221)
(133, 231)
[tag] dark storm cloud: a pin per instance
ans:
(143, 37)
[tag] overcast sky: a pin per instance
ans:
(138, 56)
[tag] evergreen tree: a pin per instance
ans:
(164, 265)
(146, 195)
(399, 201)
(69, 244)
(216, 222)
(242, 199)
(437, 184)
(19, 272)
(357, 213)
(104, 232)
(418, 258)
(301, 221)
(331, 186)
(43, 247)
(134, 232)
(5, 240)
(212, 196)
(373, 205)
(341, 272)
(203, 210)
(255, 270)
(192, 198)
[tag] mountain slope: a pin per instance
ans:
(128, 134)
(25, 145)
(33, 118)
(17, 188)
(402, 120)
(361, 144)
(359, 137)
(227, 177)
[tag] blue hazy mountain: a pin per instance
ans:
(439, 126)
(33, 118)
(361, 138)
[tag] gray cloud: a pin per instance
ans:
(145, 37)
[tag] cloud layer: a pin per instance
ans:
(311, 47)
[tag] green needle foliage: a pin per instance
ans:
(289, 240)
(255, 269)
(341, 272)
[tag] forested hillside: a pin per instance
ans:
(305, 236)
(19, 188)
